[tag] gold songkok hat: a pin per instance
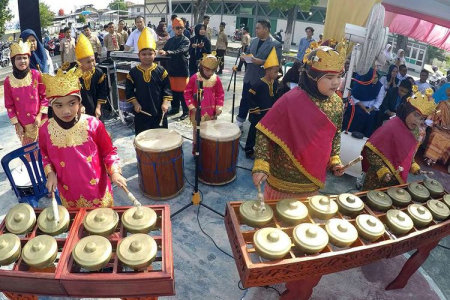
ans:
(210, 61)
(177, 22)
(326, 59)
(20, 47)
(63, 84)
(423, 103)
(146, 40)
(83, 48)
(272, 59)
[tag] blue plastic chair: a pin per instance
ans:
(31, 157)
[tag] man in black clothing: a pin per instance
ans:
(394, 97)
(177, 48)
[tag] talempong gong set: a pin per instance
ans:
(117, 246)
(136, 251)
(310, 225)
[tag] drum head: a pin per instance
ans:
(219, 130)
(158, 140)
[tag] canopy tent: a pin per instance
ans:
(426, 21)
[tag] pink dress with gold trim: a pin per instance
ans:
(24, 99)
(82, 158)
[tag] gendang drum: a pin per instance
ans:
(219, 149)
(160, 162)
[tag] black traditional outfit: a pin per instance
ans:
(94, 89)
(150, 87)
(261, 97)
(177, 49)
(196, 54)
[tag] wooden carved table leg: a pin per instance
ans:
(300, 289)
(411, 266)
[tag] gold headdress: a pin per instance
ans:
(423, 103)
(210, 61)
(272, 59)
(20, 47)
(326, 59)
(62, 84)
(146, 40)
(83, 48)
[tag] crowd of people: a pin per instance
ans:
(295, 122)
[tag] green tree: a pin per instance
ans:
(119, 5)
(81, 19)
(200, 7)
(433, 52)
(291, 6)
(5, 15)
(45, 15)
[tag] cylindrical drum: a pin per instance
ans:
(219, 149)
(160, 162)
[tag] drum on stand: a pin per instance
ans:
(160, 163)
(219, 149)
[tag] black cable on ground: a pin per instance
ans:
(239, 286)
(271, 287)
(200, 226)
(214, 242)
(244, 168)
(445, 247)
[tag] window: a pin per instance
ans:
(138, 9)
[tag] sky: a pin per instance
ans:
(67, 5)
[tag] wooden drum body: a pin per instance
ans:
(160, 163)
(219, 149)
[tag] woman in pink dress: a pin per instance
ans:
(77, 151)
(25, 99)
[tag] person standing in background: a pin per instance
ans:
(170, 28)
(208, 29)
(132, 42)
(68, 48)
(259, 48)
(124, 34)
(221, 47)
(40, 58)
(95, 42)
(200, 45)
(177, 48)
(305, 42)
(163, 35)
(112, 40)
(245, 42)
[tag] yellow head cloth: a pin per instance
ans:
(83, 48)
(272, 59)
(62, 84)
(423, 103)
(20, 47)
(146, 40)
(326, 59)
(209, 61)
(177, 22)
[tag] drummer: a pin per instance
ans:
(389, 152)
(148, 88)
(77, 152)
(299, 137)
(213, 94)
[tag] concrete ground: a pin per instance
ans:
(204, 272)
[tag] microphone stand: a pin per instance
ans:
(233, 78)
(196, 199)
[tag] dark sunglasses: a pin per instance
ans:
(178, 27)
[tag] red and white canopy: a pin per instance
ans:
(427, 21)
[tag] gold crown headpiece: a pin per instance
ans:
(326, 59)
(210, 61)
(63, 84)
(20, 47)
(423, 103)
(272, 59)
(146, 40)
